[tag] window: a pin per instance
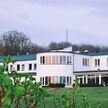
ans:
(97, 62)
(30, 66)
(57, 59)
(64, 59)
(85, 62)
(11, 67)
(46, 60)
(18, 67)
(60, 59)
(23, 67)
(67, 80)
(107, 61)
(49, 59)
(42, 60)
(67, 59)
(70, 60)
(35, 66)
(64, 80)
(60, 79)
(53, 59)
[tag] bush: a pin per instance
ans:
(91, 85)
(57, 85)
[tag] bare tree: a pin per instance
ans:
(14, 42)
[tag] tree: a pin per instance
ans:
(14, 42)
(54, 45)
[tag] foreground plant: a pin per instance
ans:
(70, 99)
(15, 93)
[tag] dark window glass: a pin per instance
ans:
(30, 66)
(35, 66)
(11, 67)
(43, 60)
(18, 67)
(60, 79)
(23, 67)
(40, 60)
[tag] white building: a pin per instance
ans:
(63, 66)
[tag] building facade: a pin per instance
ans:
(63, 66)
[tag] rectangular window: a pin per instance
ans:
(60, 59)
(70, 60)
(53, 59)
(85, 62)
(107, 61)
(30, 66)
(46, 80)
(46, 60)
(18, 67)
(11, 67)
(23, 67)
(61, 79)
(49, 59)
(42, 60)
(57, 60)
(67, 59)
(64, 59)
(67, 80)
(97, 62)
(64, 80)
(35, 66)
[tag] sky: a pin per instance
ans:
(45, 21)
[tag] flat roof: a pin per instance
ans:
(22, 57)
(96, 53)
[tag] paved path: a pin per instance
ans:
(54, 89)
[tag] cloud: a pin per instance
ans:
(47, 20)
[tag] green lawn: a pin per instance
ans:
(94, 95)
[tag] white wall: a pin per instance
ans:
(78, 66)
(54, 69)
(103, 62)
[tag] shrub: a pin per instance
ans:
(91, 85)
(57, 85)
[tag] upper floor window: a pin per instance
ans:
(107, 61)
(18, 67)
(97, 62)
(85, 62)
(11, 67)
(35, 66)
(23, 67)
(30, 66)
(62, 59)
(42, 60)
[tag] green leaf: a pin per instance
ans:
(18, 91)
(7, 100)
(7, 82)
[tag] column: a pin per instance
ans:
(86, 79)
(95, 78)
(99, 79)
(83, 79)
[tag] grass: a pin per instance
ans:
(94, 95)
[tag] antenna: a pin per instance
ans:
(67, 35)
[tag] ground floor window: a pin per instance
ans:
(67, 80)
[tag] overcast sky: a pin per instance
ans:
(47, 20)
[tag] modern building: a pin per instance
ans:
(63, 65)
